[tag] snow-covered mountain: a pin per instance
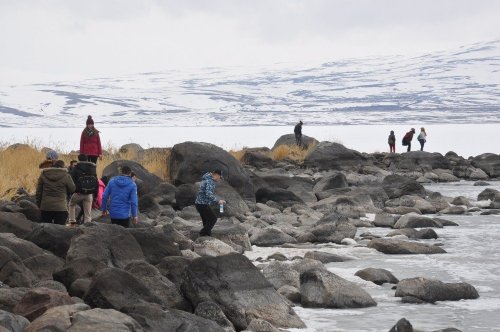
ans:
(457, 86)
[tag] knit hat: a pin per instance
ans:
(90, 120)
(52, 155)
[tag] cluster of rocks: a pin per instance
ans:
(160, 276)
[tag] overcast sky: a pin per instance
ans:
(44, 40)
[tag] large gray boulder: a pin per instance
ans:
(425, 233)
(209, 246)
(334, 156)
(24, 249)
(16, 223)
(334, 181)
(322, 289)
(432, 290)
(12, 322)
(289, 140)
(397, 185)
(155, 244)
(38, 300)
(270, 237)
(417, 202)
(281, 196)
(417, 161)
(81, 268)
(331, 228)
(12, 270)
(412, 220)
(190, 160)
(377, 276)
(146, 181)
(489, 163)
(400, 247)
(235, 205)
(43, 266)
(237, 286)
(280, 274)
(54, 238)
(487, 194)
(112, 245)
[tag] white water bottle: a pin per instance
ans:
(221, 208)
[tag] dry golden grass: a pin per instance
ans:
(291, 152)
(237, 154)
(19, 167)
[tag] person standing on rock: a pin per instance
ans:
(205, 198)
(53, 187)
(120, 199)
(84, 176)
(422, 138)
(392, 142)
(90, 142)
(298, 133)
(408, 137)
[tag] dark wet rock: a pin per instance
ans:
(323, 289)
(173, 268)
(333, 181)
(489, 163)
(291, 293)
(182, 241)
(146, 181)
(487, 194)
(164, 194)
(159, 285)
(270, 237)
(12, 322)
(445, 222)
(257, 159)
(24, 249)
(185, 195)
(211, 311)
(403, 325)
(190, 160)
(30, 210)
(54, 238)
(416, 221)
(334, 156)
(289, 140)
(490, 212)
(384, 220)
(155, 244)
(155, 319)
(426, 233)
(481, 184)
(277, 256)
(107, 290)
(432, 290)
(44, 265)
(399, 247)
(281, 274)
(396, 186)
(377, 276)
(326, 257)
(12, 270)
(235, 205)
(283, 197)
(85, 267)
(239, 288)
(16, 223)
(112, 245)
(36, 301)
(79, 287)
(412, 300)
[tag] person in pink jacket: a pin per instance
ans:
(90, 142)
(103, 182)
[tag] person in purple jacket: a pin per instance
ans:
(120, 199)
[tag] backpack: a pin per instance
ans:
(87, 184)
(405, 142)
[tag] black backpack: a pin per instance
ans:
(87, 184)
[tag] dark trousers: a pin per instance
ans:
(409, 147)
(92, 159)
(298, 139)
(122, 222)
(422, 142)
(208, 217)
(392, 147)
(56, 217)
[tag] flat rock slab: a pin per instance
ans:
(326, 257)
(432, 290)
(377, 276)
(399, 247)
(416, 221)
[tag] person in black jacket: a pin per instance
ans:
(87, 186)
(298, 133)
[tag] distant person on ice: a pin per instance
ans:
(120, 199)
(298, 133)
(90, 142)
(392, 142)
(205, 198)
(408, 138)
(422, 138)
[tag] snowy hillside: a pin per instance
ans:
(457, 86)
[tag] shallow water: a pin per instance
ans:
(472, 257)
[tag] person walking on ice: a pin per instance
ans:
(205, 198)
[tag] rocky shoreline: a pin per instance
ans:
(160, 276)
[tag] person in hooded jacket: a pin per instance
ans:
(205, 198)
(87, 186)
(120, 199)
(50, 159)
(53, 187)
(90, 142)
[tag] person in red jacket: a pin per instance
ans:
(90, 142)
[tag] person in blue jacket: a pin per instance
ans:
(120, 199)
(205, 198)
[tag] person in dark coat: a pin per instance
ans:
(87, 186)
(298, 133)
(392, 142)
(408, 138)
(50, 159)
(120, 199)
(53, 187)
(205, 198)
(90, 142)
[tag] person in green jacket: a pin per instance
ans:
(53, 187)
